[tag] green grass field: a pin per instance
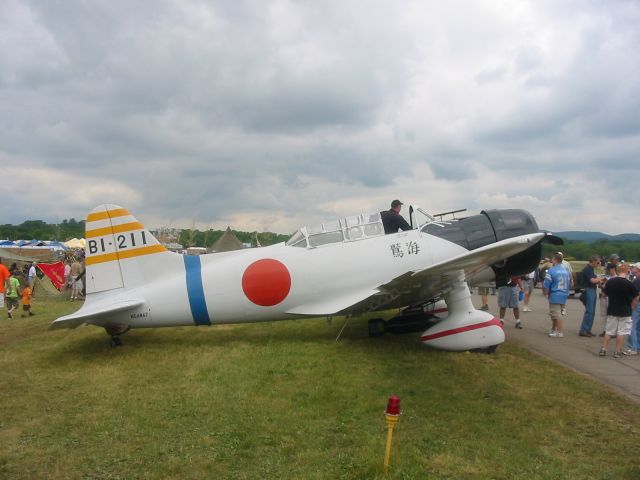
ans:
(284, 400)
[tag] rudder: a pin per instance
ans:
(116, 246)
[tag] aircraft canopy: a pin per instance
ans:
(349, 229)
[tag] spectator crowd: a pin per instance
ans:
(615, 284)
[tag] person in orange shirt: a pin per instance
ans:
(4, 281)
(26, 301)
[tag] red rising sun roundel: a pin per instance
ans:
(266, 282)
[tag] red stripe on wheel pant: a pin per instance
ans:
(466, 328)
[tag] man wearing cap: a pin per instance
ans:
(392, 220)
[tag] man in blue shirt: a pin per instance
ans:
(556, 286)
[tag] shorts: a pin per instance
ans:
(1, 300)
(527, 285)
(483, 290)
(26, 307)
(617, 325)
(508, 297)
(555, 311)
(12, 303)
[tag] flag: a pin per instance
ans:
(55, 272)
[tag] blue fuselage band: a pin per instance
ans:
(195, 290)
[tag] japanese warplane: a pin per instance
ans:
(343, 267)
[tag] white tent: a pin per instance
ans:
(76, 243)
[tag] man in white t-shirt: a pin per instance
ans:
(31, 277)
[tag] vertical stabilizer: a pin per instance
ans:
(118, 248)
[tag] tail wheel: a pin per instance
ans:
(377, 327)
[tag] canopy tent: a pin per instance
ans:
(227, 242)
(76, 243)
(9, 256)
(56, 245)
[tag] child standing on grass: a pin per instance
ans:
(26, 301)
(12, 294)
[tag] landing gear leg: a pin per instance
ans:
(115, 331)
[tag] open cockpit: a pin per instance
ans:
(351, 229)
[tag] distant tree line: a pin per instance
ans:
(197, 238)
(39, 230)
(581, 250)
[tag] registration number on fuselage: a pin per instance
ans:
(122, 242)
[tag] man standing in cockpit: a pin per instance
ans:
(392, 220)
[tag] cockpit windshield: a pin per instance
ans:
(419, 217)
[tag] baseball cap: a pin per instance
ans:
(614, 255)
(396, 203)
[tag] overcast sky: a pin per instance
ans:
(270, 115)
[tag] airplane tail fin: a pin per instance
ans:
(120, 251)
(121, 254)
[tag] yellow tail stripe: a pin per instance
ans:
(125, 227)
(134, 252)
(118, 212)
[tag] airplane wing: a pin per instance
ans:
(473, 261)
(426, 283)
(84, 314)
(332, 305)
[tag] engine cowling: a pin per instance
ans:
(491, 226)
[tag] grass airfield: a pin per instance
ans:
(284, 400)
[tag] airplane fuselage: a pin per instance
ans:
(278, 282)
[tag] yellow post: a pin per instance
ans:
(391, 423)
(392, 415)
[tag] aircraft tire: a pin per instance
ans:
(377, 327)
(487, 350)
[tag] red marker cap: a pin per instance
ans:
(393, 406)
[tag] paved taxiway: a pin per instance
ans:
(576, 352)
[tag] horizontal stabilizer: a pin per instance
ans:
(87, 313)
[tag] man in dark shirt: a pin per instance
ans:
(392, 220)
(623, 297)
(590, 281)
